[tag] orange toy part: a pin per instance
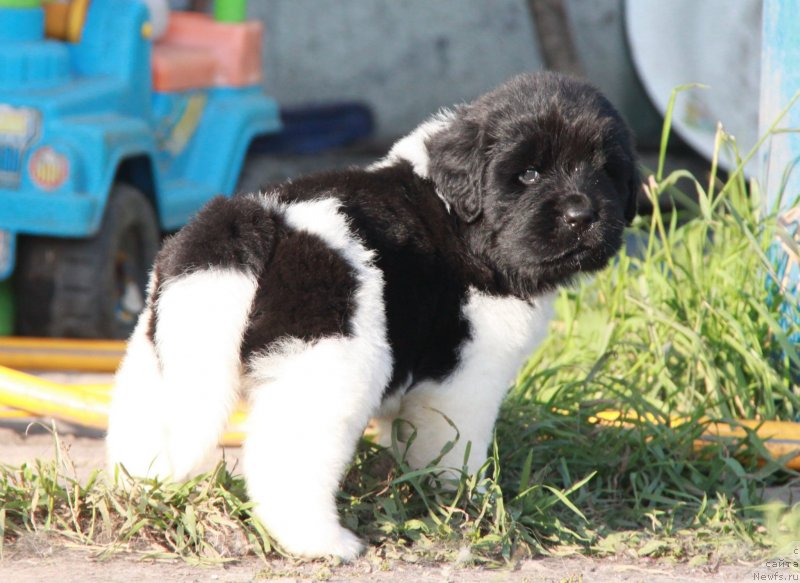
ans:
(180, 69)
(196, 52)
(64, 20)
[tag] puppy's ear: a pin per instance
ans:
(457, 167)
(634, 189)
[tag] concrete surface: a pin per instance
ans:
(406, 59)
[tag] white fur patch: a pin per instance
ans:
(504, 332)
(194, 381)
(136, 421)
(412, 147)
(202, 318)
(310, 403)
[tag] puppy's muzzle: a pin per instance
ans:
(579, 214)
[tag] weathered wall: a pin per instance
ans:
(406, 58)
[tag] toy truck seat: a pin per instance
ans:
(197, 52)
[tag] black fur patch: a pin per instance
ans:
(504, 237)
(305, 291)
(234, 233)
(427, 268)
(580, 146)
(231, 233)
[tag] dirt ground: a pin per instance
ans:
(73, 566)
(35, 559)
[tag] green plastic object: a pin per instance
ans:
(6, 308)
(229, 10)
(20, 3)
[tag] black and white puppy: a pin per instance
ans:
(412, 289)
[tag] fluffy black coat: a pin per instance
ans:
(408, 292)
(503, 237)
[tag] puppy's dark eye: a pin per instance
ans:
(530, 176)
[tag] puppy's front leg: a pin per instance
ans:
(503, 332)
(310, 404)
(438, 413)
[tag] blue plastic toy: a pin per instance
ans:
(97, 161)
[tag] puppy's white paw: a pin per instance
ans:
(322, 542)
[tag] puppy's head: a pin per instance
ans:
(542, 176)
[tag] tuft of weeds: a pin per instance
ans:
(689, 323)
(204, 519)
(683, 324)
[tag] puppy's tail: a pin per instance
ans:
(181, 375)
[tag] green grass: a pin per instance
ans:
(681, 326)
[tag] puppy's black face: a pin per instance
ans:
(556, 201)
(542, 175)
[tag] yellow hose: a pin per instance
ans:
(23, 395)
(61, 354)
(81, 404)
(11, 413)
(780, 438)
(85, 405)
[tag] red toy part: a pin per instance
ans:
(197, 52)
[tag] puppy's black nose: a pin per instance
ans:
(579, 217)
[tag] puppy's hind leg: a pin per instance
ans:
(309, 408)
(172, 397)
(201, 321)
(316, 384)
(136, 424)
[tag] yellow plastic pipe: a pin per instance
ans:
(11, 413)
(780, 437)
(23, 394)
(61, 354)
(82, 404)
(85, 405)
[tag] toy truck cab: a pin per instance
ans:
(109, 138)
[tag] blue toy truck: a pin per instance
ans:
(108, 139)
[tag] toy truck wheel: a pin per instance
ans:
(90, 288)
